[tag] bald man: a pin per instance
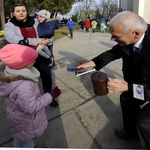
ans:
(132, 35)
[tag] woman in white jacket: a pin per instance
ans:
(22, 29)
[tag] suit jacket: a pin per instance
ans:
(135, 71)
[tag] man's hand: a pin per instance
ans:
(117, 85)
(86, 65)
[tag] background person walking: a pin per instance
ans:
(94, 24)
(87, 25)
(102, 23)
(70, 24)
(81, 23)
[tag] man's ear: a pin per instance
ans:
(136, 34)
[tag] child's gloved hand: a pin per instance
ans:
(55, 92)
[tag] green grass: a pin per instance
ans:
(98, 29)
(61, 32)
(64, 31)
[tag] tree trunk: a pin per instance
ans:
(2, 15)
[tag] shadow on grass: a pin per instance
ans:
(64, 33)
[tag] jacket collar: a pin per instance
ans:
(145, 52)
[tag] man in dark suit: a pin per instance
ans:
(132, 35)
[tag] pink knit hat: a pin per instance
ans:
(17, 56)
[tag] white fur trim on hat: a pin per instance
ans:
(44, 13)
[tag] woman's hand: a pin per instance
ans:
(43, 41)
(117, 85)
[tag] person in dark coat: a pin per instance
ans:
(132, 35)
(81, 23)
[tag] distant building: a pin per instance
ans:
(140, 7)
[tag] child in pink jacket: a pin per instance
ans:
(25, 105)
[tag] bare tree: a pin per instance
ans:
(79, 10)
(2, 16)
(96, 9)
(87, 4)
(83, 9)
(107, 8)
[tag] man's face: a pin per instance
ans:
(119, 36)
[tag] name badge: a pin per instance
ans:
(138, 91)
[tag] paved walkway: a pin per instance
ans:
(82, 120)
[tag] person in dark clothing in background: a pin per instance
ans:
(81, 23)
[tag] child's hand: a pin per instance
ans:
(55, 92)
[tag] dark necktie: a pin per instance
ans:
(136, 52)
